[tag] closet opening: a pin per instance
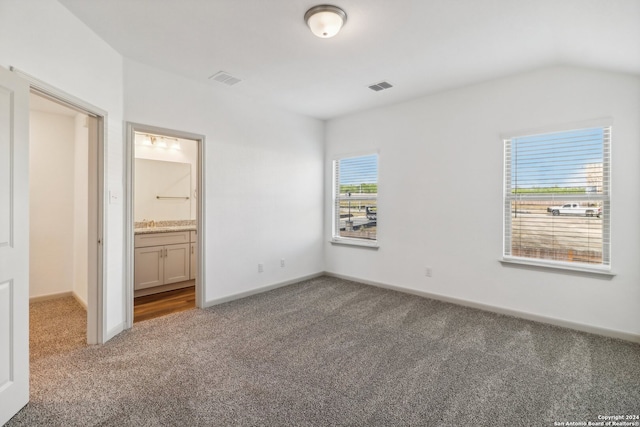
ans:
(65, 226)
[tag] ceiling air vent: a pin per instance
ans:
(380, 86)
(225, 78)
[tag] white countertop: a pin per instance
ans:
(166, 229)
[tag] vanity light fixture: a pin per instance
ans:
(149, 140)
(146, 141)
(160, 142)
(325, 20)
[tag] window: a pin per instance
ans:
(355, 199)
(556, 198)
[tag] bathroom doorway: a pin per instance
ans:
(164, 222)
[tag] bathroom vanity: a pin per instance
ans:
(165, 258)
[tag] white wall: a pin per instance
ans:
(43, 39)
(51, 204)
(444, 153)
(58, 161)
(264, 178)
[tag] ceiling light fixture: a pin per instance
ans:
(325, 20)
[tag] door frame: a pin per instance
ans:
(96, 320)
(129, 170)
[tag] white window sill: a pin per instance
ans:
(371, 244)
(562, 266)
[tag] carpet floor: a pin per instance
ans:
(332, 352)
(56, 327)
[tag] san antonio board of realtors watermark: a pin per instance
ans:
(604, 421)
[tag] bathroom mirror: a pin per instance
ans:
(162, 190)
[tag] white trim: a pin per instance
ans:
(58, 295)
(58, 95)
(128, 269)
(114, 331)
(372, 244)
(583, 327)
(606, 125)
(557, 265)
(335, 237)
(80, 301)
(48, 297)
(201, 225)
(261, 289)
(128, 227)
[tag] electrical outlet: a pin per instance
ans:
(260, 268)
(428, 272)
(282, 263)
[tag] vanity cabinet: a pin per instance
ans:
(162, 259)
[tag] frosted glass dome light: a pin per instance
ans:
(325, 20)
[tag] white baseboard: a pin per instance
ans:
(57, 295)
(598, 330)
(48, 297)
(82, 302)
(583, 327)
(260, 290)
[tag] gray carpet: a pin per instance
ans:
(56, 326)
(331, 352)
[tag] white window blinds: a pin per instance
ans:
(556, 196)
(355, 197)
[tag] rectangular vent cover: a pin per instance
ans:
(225, 78)
(380, 86)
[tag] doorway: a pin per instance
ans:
(65, 218)
(163, 222)
(95, 158)
(58, 223)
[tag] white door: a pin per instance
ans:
(14, 244)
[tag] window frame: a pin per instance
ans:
(606, 199)
(335, 229)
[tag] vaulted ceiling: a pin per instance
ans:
(419, 46)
